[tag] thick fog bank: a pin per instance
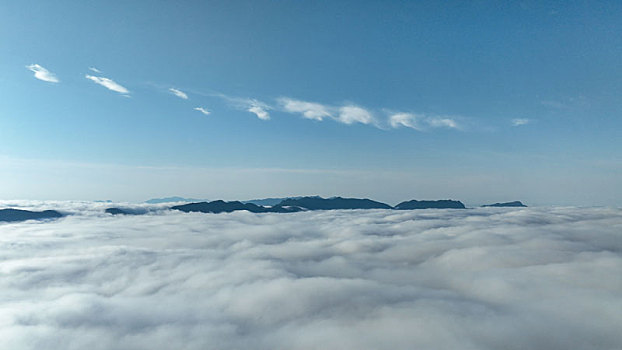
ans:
(529, 278)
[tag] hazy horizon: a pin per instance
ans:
(88, 181)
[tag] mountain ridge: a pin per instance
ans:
(506, 204)
(286, 205)
(13, 215)
(319, 203)
(430, 204)
(312, 203)
(220, 206)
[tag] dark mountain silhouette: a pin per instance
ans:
(265, 202)
(287, 205)
(126, 211)
(439, 204)
(219, 206)
(22, 215)
(171, 200)
(319, 203)
(269, 202)
(506, 204)
(284, 209)
(292, 205)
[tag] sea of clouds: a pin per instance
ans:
(486, 278)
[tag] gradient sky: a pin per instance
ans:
(480, 101)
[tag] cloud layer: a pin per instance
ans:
(108, 84)
(432, 279)
(42, 73)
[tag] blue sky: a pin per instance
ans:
(479, 101)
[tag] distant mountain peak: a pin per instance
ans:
(272, 201)
(295, 204)
(23, 215)
(319, 203)
(220, 206)
(126, 211)
(430, 204)
(506, 204)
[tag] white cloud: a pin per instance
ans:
(354, 114)
(259, 109)
(421, 122)
(309, 110)
(93, 69)
(408, 120)
(202, 110)
(108, 84)
(42, 73)
(532, 278)
(520, 121)
(178, 93)
(350, 114)
(347, 114)
(440, 122)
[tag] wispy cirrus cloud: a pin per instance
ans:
(309, 110)
(520, 121)
(354, 114)
(178, 93)
(42, 73)
(408, 120)
(202, 110)
(442, 122)
(259, 110)
(257, 107)
(346, 114)
(421, 122)
(108, 84)
(350, 114)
